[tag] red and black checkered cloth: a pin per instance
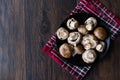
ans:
(89, 6)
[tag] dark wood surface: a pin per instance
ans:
(26, 25)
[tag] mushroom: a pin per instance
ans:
(62, 33)
(65, 50)
(101, 46)
(72, 23)
(89, 56)
(100, 33)
(90, 23)
(74, 38)
(89, 41)
(78, 49)
(82, 29)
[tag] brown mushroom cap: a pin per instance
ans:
(82, 29)
(65, 50)
(100, 33)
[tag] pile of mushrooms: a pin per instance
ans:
(85, 39)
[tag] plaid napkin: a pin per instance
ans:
(92, 7)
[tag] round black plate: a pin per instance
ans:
(81, 17)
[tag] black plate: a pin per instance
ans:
(81, 17)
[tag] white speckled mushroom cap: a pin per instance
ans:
(89, 56)
(90, 23)
(62, 33)
(89, 41)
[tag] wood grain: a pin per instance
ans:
(26, 25)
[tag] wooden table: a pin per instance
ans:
(26, 25)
